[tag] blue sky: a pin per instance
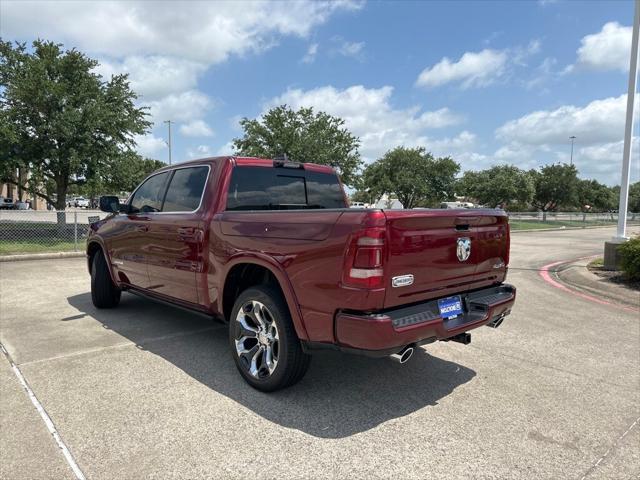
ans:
(484, 82)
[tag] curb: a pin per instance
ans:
(40, 256)
(553, 274)
(581, 279)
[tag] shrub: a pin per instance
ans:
(630, 258)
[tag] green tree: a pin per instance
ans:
(413, 175)
(304, 136)
(127, 172)
(60, 120)
(363, 196)
(594, 196)
(130, 170)
(499, 185)
(555, 186)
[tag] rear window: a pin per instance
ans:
(265, 188)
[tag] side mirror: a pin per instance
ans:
(109, 203)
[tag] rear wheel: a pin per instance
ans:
(263, 341)
(104, 293)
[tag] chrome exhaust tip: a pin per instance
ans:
(403, 356)
(496, 321)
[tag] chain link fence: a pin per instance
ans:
(36, 231)
(539, 220)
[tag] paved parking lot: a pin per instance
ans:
(82, 215)
(148, 391)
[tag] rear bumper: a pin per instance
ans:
(386, 332)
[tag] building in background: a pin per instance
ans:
(18, 194)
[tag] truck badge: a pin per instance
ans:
(464, 248)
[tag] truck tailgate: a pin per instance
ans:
(424, 243)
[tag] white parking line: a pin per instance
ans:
(615, 444)
(45, 417)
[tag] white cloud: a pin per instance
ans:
(351, 49)
(541, 75)
(226, 149)
(601, 161)
(310, 56)
(597, 122)
(519, 55)
(166, 46)
(182, 107)
(203, 32)
(196, 128)
(604, 161)
(165, 86)
(201, 151)
(609, 49)
(155, 76)
(474, 69)
(478, 69)
(150, 145)
(234, 123)
(445, 146)
(368, 113)
(542, 137)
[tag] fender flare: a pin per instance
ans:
(281, 277)
(98, 241)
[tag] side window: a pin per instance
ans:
(185, 189)
(148, 198)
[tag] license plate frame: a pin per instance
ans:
(450, 307)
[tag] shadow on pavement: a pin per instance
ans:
(341, 394)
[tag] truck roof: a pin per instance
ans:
(249, 161)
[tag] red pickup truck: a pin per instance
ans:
(271, 248)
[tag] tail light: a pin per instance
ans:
(508, 245)
(365, 256)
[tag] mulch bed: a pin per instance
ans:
(614, 276)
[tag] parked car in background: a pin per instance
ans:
(6, 203)
(270, 247)
(457, 205)
(81, 202)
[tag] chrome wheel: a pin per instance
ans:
(256, 339)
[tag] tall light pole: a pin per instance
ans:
(168, 122)
(628, 128)
(572, 138)
(610, 248)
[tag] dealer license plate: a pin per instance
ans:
(450, 307)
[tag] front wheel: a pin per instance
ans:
(104, 293)
(263, 341)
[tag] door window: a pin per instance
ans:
(185, 189)
(148, 197)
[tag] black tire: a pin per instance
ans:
(104, 293)
(291, 362)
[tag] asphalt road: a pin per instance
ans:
(148, 391)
